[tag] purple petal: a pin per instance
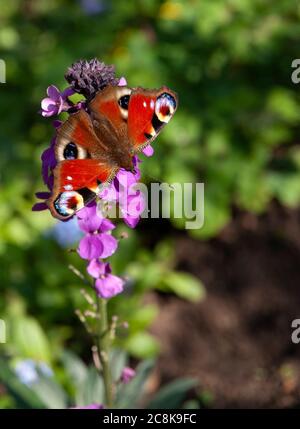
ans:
(107, 268)
(53, 92)
(90, 247)
(148, 151)
(61, 105)
(56, 123)
(133, 205)
(125, 178)
(42, 195)
(136, 160)
(67, 92)
(131, 221)
(47, 114)
(38, 207)
(109, 286)
(48, 164)
(96, 268)
(50, 182)
(110, 245)
(80, 105)
(122, 81)
(88, 219)
(107, 225)
(46, 103)
(127, 374)
(88, 211)
(109, 194)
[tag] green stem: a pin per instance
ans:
(103, 350)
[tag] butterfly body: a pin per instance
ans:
(93, 144)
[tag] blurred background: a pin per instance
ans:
(216, 303)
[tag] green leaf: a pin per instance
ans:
(184, 285)
(75, 368)
(29, 338)
(143, 317)
(129, 394)
(142, 345)
(118, 360)
(172, 395)
(91, 389)
(50, 393)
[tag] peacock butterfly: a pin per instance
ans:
(93, 144)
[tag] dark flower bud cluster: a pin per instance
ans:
(89, 77)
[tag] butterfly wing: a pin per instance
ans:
(130, 119)
(78, 131)
(76, 183)
(109, 113)
(83, 165)
(148, 112)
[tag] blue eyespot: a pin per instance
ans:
(67, 203)
(166, 99)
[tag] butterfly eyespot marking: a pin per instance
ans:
(70, 151)
(123, 97)
(124, 101)
(67, 203)
(165, 107)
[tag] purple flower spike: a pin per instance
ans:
(56, 102)
(127, 374)
(89, 77)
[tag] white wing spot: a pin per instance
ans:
(68, 187)
(144, 104)
(69, 178)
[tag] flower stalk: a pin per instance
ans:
(103, 347)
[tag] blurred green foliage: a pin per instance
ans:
(82, 386)
(235, 130)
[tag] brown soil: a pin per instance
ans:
(237, 341)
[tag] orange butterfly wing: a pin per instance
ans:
(148, 112)
(77, 180)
